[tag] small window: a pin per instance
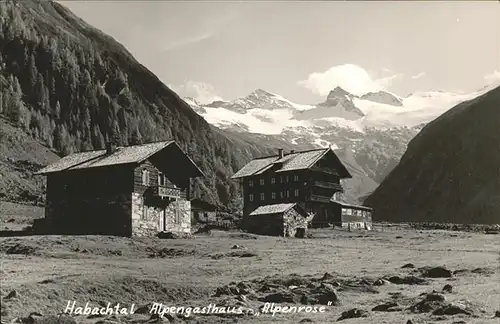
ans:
(250, 197)
(273, 180)
(250, 183)
(273, 195)
(262, 196)
(144, 212)
(296, 178)
(145, 177)
(286, 179)
(161, 179)
(282, 194)
(281, 179)
(288, 193)
(296, 192)
(261, 182)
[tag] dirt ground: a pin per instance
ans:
(335, 269)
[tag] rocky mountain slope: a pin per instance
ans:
(450, 171)
(67, 86)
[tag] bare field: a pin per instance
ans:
(238, 269)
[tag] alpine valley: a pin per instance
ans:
(370, 133)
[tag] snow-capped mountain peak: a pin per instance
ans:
(338, 93)
(383, 97)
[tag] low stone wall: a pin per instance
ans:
(174, 217)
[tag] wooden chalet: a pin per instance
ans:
(288, 220)
(138, 190)
(309, 178)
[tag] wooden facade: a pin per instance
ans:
(289, 220)
(308, 178)
(138, 191)
(312, 188)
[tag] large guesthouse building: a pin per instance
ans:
(309, 179)
(138, 190)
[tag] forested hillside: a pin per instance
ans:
(450, 171)
(69, 86)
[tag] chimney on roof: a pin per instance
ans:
(280, 153)
(110, 147)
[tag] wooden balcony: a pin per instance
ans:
(171, 192)
(328, 185)
(318, 198)
(324, 170)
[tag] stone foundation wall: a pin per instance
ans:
(173, 216)
(292, 220)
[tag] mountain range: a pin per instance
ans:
(370, 132)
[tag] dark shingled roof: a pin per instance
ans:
(99, 158)
(272, 209)
(292, 161)
(344, 203)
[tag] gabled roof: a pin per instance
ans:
(291, 161)
(272, 209)
(99, 158)
(344, 203)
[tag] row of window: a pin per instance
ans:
(283, 194)
(355, 212)
(162, 178)
(283, 179)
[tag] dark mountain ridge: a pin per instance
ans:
(69, 86)
(450, 171)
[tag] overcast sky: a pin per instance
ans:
(301, 50)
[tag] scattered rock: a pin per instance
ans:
(233, 254)
(236, 246)
(451, 309)
(156, 317)
(447, 288)
(430, 303)
(379, 282)
(408, 280)
(353, 313)
(387, 307)
(327, 276)
(144, 309)
(49, 319)
(281, 297)
(409, 322)
(459, 322)
(497, 314)
(436, 272)
(408, 266)
(399, 237)
(12, 294)
(306, 320)
(22, 249)
(170, 252)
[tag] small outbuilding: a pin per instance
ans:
(203, 211)
(287, 219)
(353, 216)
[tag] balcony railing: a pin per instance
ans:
(319, 198)
(171, 192)
(328, 185)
